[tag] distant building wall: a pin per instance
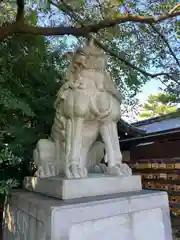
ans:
(165, 149)
(126, 156)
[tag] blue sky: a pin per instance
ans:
(151, 87)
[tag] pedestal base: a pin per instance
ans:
(95, 185)
(142, 215)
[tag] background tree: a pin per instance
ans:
(158, 105)
(128, 30)
(30, 77)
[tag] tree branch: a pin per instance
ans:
(23, 28)
(20, 10)
(166, 42)
(106, 23)
(177, 7)
(114, 54)
(69, 11)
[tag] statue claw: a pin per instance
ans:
(50, 170)
(120, 170)
(74, 171)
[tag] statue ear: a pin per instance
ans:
(69, 55)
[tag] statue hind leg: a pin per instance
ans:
(110, 137)
(73, 168)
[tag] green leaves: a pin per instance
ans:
(7, 11)
(42, 4)
(117, 15)
(6, 186)
(158, 105)
(30, 75)
(132, 5)
(32, 18)
(11, 102)
(9, 170)
(178, 29)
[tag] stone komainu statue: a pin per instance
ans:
(87, 105)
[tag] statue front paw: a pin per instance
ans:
(76, 171)
(49, 170)
(125, 169)
(120, 170)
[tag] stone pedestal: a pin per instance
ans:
(94, 185)
(140, 215)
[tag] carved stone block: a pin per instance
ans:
(84, 187)
(126, 216)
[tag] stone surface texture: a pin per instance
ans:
(87, 105)
(84, 187)
(142, 215)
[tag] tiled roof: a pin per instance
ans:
(125, 127)
(159, 124)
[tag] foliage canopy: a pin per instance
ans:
(159, 104)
